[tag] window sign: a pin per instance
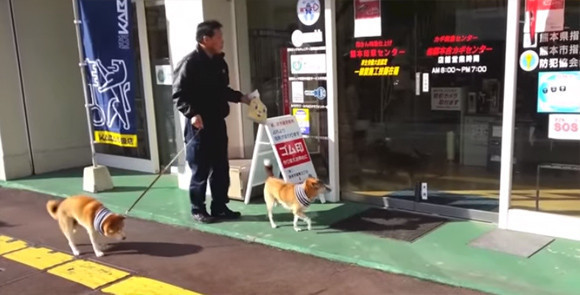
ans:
(564, 127)
(375, 58)
(558, 92)
(458, 54)
(367, 18)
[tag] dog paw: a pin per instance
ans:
(274, 226)
(297, 229)
(99, 253)
(76, 252)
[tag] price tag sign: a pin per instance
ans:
(565, 127)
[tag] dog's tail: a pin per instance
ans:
(52, 208)
(269, 168)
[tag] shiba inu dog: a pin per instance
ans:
(294, 197)
(90, 214)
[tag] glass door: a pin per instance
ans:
(287, 64)
(421, 136)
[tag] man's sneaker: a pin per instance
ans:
(202, 217)
(225, 213)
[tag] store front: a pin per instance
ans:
(420, 114)
(417, 131)
(438, 107)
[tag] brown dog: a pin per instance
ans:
(294, 197)
(90, 214)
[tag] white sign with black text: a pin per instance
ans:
(447, 98)
(280, 137)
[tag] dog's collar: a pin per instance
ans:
(301, 195)
(100, 218)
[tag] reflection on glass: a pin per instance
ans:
(422, 102)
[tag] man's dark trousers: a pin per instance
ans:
(207, 156)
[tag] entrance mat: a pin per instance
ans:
(511, 242)
(390, 224)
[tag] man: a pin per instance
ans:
(201, 92)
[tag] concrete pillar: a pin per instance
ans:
(15, 159)
(52, 85)
(42, 117)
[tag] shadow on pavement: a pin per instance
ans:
(4, 224)
(159, 249)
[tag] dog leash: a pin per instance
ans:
(160, 174)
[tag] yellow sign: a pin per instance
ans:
(374, 62)
(303, 118)
(122, 140)
(378, 71)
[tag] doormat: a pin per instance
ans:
(511, 242)
(390, 224)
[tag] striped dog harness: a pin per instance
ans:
(100, 218)
(301, 195)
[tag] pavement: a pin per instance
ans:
(443, 255)
(164, 259)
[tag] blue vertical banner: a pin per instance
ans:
(110, 63)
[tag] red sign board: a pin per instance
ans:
(293, 153)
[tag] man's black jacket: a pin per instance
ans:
(201, 86)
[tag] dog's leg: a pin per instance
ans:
(67, 228)
(306, 219)
(270, 202)
(96, 248)
(296, 228)
(298, 214)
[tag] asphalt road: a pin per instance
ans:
(196, 261)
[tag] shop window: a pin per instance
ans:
(420, 99)
(290, 75)
(547, 136)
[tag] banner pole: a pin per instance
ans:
(82, 65)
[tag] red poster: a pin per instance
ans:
(292, 153)
(367, 9)
(544, 16)
(285, 77)
(367, 18)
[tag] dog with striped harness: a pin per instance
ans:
(294, 197)
(89, 213)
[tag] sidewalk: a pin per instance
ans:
(158, 259)
(443, 255)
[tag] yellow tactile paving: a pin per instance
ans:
(7, 244)
(90, 274)
(40, 258)
(145, 286)
(87, 273)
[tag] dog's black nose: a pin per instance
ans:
(124, 238)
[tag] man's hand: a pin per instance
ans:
(246, 99)
(197, 122)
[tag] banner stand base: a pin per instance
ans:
(97, 179)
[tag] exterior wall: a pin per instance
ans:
(52, 84)
(15, 158)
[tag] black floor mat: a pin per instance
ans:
(390, 224)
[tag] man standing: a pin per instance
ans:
(201, 92)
